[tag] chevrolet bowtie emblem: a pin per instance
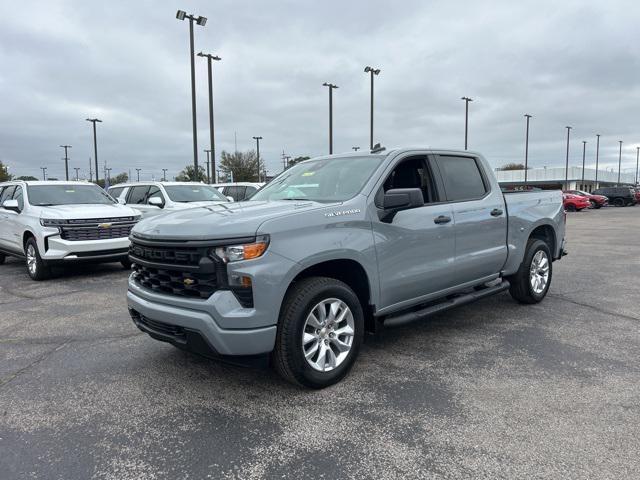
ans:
(188, 281)
(104, 225)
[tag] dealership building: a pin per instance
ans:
(554, 178)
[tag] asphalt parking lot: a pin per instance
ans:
(493, 389)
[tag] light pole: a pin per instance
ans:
(138, 173)
(526, 149)
(164, 174)
(597, 155)
(355, 149)
(619, 160)
(584, 150)
(66, 160)
(466, 119)
(566, 167)
(181, 15)
(107, 176)
(210, 58)
(373, 71)
(44, 172)
(208, 162)
(257, 139)
(95, 143)
(331, 88)
(77, 169)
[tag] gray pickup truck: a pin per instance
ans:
(336, 247)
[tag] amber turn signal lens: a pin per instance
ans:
(254, 250)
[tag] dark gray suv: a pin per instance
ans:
(618, 196)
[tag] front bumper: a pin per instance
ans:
(55, 248)
(183, 324)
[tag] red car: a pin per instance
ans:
(574, 203)
(597, 201)
(637, 190)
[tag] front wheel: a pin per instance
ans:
(36, 267)
(619, 202)
(320, 331)
(570, 208)
(531, 282)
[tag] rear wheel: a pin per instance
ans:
(319, 333)
(36, 267)
(619, 202)
(2, 258)
(570, 208)
(531, 282)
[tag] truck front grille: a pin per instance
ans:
(177, 270)
(80, 229)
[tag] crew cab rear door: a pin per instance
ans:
(479, 214)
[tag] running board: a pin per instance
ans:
(404, 318)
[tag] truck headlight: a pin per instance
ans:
(51, 222)
(248, 251)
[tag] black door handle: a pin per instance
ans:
(441, 219)
(496, 212)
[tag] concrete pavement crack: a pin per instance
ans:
(598, 309)
(41, 358)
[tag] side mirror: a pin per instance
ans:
(121, 201)
(12, 205)
(402, 199)
(230, 199)
(156, 201)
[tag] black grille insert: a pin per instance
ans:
(98, 232)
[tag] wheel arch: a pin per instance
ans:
(547, 234)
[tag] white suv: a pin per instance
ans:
(154, 198)
(51, 223)
(239, 191)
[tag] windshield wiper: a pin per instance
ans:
(298, 199)
(46, 204)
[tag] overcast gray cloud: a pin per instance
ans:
(566, 63)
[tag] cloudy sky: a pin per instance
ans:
(127, 62)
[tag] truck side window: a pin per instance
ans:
(154, 192)
(413, 173)
(6, 194)
(138, 194)
(462, 178)
(18, 196)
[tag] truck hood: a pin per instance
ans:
(185, 205)
(227, 220)
(77, 212)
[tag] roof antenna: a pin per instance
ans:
(377, 148)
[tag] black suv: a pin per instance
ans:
(618, 196)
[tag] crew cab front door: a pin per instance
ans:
(415, 248)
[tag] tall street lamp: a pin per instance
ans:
(331, 88)
(77, 169)
(597, 155)
(95, 143)
(373, 71)
(257, 139)
(181, 15)
(637, 162)
(210, 58)
(584, 150)
(138, 173)
(619, 160)
(526, 149)
(566, 166)
(66, 160)
(44, 172)
(164, 174)
(208, 163)
(466, 119)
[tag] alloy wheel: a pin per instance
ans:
(539, 272)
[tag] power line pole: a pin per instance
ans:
(77, 169)
(208, 162)
(566, 168)
(584, 150)
(637, 163)
(138, 172)
(164, 174)
(331, 88)
(597, 155)
(90, 171)
(257, 139)
(212, 142)
(355, 149)
(44, 172)
(619, 160)
(66, 161)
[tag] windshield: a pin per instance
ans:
(194, 193)
(326, 180)
(45, 195)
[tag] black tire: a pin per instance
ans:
(619, 202)
(594, 204)
(39, 270)
(126, 263)
(521, 288)
(2, 258)
(288, 355)
(570, 208)
(597, 206)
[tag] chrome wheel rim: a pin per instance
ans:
(539, 272)
(32, 260)
(327, 335)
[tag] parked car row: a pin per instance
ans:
(576, 200)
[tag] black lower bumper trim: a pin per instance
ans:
(193, 341)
